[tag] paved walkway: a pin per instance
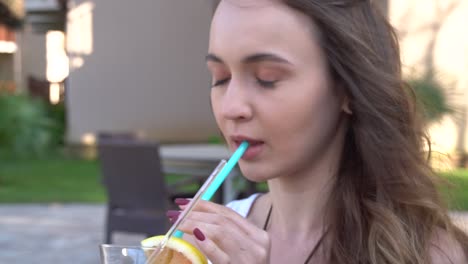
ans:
(66, 233)
(54, 234)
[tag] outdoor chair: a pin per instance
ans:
(138, 196)
(103, 136)
(38, 87)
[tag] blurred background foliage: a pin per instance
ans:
(432, 97)
(29, 127)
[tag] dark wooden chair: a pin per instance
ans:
(38, 88)
(138, 196)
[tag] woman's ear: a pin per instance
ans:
(345, 105)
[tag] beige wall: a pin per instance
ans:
(6, 67)
(141, 68)
(435, 32)
(33, 55)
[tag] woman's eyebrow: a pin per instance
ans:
(213, 58)
(259, 57)
(254, 58)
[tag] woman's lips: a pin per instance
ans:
(254, 149)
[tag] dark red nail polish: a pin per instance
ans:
(172, 214)
(181, 201)
(198, 234)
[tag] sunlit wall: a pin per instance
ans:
(139, 66)
(434, 32)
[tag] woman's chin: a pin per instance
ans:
(254, 174)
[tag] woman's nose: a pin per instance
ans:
(236, 104)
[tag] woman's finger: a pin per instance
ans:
(216, 233)
(209, 248)
(244, 225)
(229, 239)
(227, 223)
(240, 250)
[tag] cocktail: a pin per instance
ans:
(177, 251)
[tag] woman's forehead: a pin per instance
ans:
(270, 27)
(271, 16)
(250, 3)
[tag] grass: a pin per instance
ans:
(50, 180)
(67, 180)
(457, 191)
(57, 180)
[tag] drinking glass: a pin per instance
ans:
(117, 254)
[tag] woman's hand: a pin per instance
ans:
(224, 236)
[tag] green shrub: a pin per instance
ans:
(26, 129)
(57, 112)
(431, 96)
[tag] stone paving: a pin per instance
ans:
(54, 233)
(71, 234)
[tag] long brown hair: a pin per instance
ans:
(384, 207)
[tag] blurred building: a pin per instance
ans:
(8, 48)
(25, 44)
(11, 14)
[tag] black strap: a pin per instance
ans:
(317, 245)
(268, 218)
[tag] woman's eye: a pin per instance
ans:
(221, 82)
(267, 84)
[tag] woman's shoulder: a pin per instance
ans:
(243, 206)
(446, 249)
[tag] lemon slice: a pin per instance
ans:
(177, 251)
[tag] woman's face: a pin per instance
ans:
(271, 86)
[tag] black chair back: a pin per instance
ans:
(134, 180)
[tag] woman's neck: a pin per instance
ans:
(300, 200)
(298, 211)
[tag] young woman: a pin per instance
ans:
(315, 86)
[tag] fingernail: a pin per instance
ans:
(172, 214)
(181, 201)
(198, 234)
